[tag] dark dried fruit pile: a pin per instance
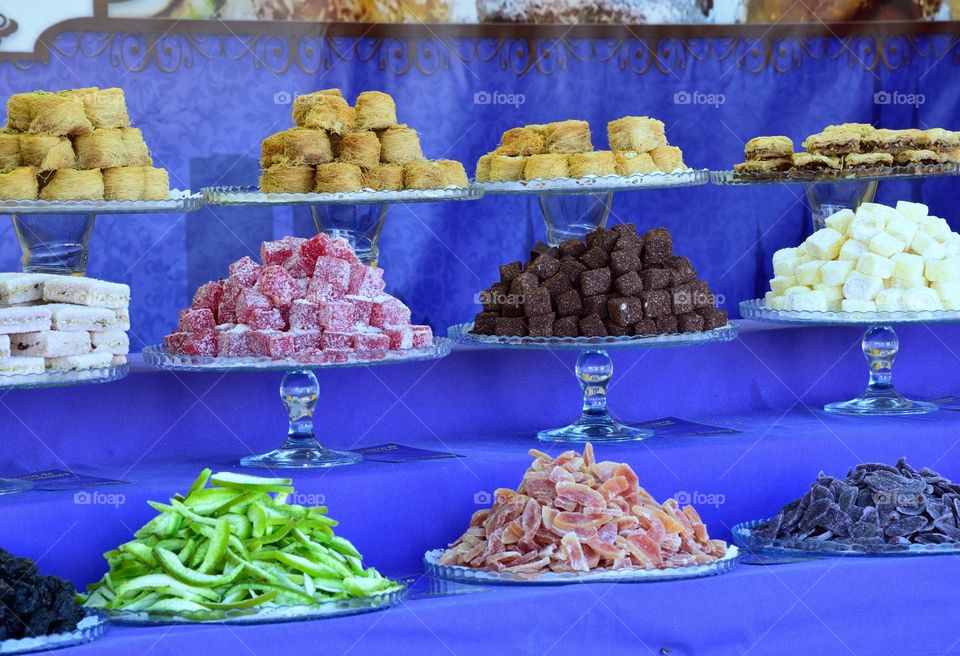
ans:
(33, 605)
(874, 505)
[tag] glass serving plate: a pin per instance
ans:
(783, 550)
(253, 196)
(843, 175)
(270, 614)
(632, 575)
(597, 183)
(179, 201)
(64, 378)
(880, 345)
(594, 371)
(299, 392)
(93, 626)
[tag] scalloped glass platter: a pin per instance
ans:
(597, 184)
(461, 333)
(64, 378)
(628, 575)
(179, 201)
(773, 549)
(253, 196)
(157, 357)
(93, 626)
(756, 310)
(270, 614)
(847, 175)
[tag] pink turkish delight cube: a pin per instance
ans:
(304, 315)
(422, 337)
(306, 340)
(322, 292)
(332, 340)
(299, 267)
(335, 355)
(249, 300)
(208, 296)
(372, 342)
(275, 252)
(197, 321)
(341, 249)
(173, 343)
(272, 344)
(366, 281)
(264, 319)
(312, 249)
(201, 344)
(401, 337)
(362, 307)
(336, 316)
(334, 272)
(303, 285)
(245, 270)
(388, 311)
(277, 285)
(234, 343)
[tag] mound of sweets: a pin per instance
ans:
(638, 145)
(876, 504)
(311, 300)
(61, 323)
(33, 604)
(76, 145)
(336, 147)
(852, 146)
(573, 514)
(616, 284)
(879, 259)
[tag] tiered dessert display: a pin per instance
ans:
(876, 510)
(878, 267)
(311, 304)
(238, 552)
(348, 163)
(841, 165)
(617, 290)
(575, 520)
(66, 157)
(575, 183)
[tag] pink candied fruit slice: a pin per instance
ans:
(234, 343)
(366, 281)
(273, 344)
(249, 300)
(277, 285)
(275, 252)
(422, 337)
(372, 342)
(197, 321)
(305, 315)
(305, 340)
(173, 343)
(337, 341)
(388, 311)
(204, 344)
(264, 319)
(245, 270)
(208, 296)
(336, 316)
(341, 249)
(333, 272)
(401, 337)
(362, 307)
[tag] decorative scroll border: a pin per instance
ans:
(170, 52)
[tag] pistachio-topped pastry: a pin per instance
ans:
(775, 147)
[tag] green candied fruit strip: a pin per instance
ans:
(142, 602)
(217, 550)
(186, 552)
(175, 606)
(180, 509)
(364, 587)
(210, 500)
(200, 482)
(252, 602)
(139, 551)
(251, 483)
(240, 525)
(157, 581)
(258, 521)
(344, 546)
(305, 565)
(171, 565)
(164, 525)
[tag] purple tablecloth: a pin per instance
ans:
(156, 430)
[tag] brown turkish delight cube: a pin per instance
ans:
(523, 283)
(557, 284)
(713, 317)
(510, 327)
(702, 296)
(682, 298)
(645, 327)
(595, 258)
(541, 325)
(572, 248)
(667, 324)
(543, 248)
(681, 270)
(655, 278)
(657, 246)
(622, 261)
(690, 322)
(510, 271)
(595, 305)
(485, 323)
(625, 230)
(592, 326)
(569, 304)
(572, 268)
(566, 327)
(544, 266)
(603, 239)
(536, 301)
(625, 310)
(617, 331)
(656, 303)
(629, 284)
(595, 282)
(492, 299)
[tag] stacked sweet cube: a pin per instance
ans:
(879, 259)
(310, 300)
(61, 323)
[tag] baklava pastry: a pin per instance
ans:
(100, 149)
(545, 167)
(521, 141)
(422, 175)
(286, 179)
(454, 174)
(599, 162)
(73, 184)
(359, 148)
(19, 183)
(384, 177)
(375, 111)
(507, 169)
(630, 162)
(47, 152)
(399, 145)
(568, 137)
(337, 177)
(638, 133)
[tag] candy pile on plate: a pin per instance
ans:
(879, 259)
(875, 504)
(572, 514)
(233, 546)
(61, 323)
(34, 605)
(311, 299)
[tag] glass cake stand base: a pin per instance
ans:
(574, 216)
(360, 225)
(826, 198)
(54, 243)
(11, 485)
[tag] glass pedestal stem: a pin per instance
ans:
(54, 243)
(594, 371)
(360, 225)
(880, 346)
(299, 392)
(573, 216)
(828, 197)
